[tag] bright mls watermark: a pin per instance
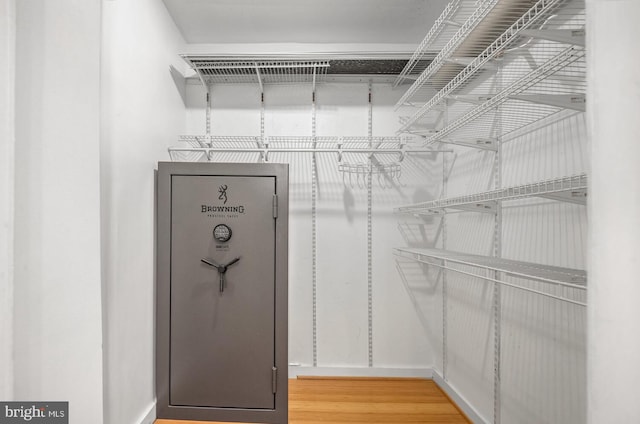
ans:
(34, 412)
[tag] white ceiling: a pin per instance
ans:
(304, 21)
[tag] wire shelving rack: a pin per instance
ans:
(202, 147)
(261, 72)
(489, 19)
(511, 68)
(558, 280)
(572, 189)
(556, 23)
(531, 98)
(455, 14)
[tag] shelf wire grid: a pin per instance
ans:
(196, 148)
(221, 141)
(445, 27)
(387, 150)
(551, 277)
(281, 72)
(575, 186)
(556, 85)
(464, 33)
(488, 21)
(349, 143)
(545, 15)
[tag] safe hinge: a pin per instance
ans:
(274, 379)
(275, 206)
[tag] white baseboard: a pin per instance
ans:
(150, 415)
(462, 403)
(295, 371)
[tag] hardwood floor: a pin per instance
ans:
(322, 400)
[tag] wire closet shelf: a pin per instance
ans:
(564, 284)
(445, 27)
(539, 59)
(571, 189)
(203, 147)
(259, 71)
(566, 281)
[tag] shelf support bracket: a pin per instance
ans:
(484, 207)
(569, 36)
(481, 143)
(466, 61)
(564, 101)
(313, 88)
(578, 197)
(257, 68)
(474, 100)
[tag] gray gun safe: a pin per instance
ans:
(221, 312)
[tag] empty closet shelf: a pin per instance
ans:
(567, 277)
(571, 189)
(544, 17)
(444, 29)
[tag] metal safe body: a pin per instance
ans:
(221, 329)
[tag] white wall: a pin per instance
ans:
(7, 147)
(614, 316)
(142, 114)
(399, 340)
(58, 342)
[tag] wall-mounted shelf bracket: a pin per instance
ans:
(577, 196)
(565, 101)
(474, 100)
(481, 143)
(259, 78)
(483, 207)
(568, 36)
(466, 61)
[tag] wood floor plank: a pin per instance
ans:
(322, 400)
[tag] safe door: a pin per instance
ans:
(220, 354)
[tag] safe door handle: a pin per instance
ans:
(222, 269)
(210, 262)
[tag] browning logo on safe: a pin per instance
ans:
(223, 193)
(213, 209)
